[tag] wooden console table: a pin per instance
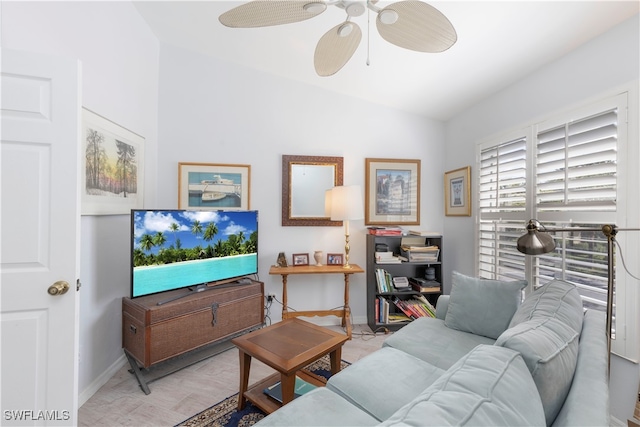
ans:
(344, 313)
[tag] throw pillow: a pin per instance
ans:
(550, 350)
(482, 307)
(557, 299)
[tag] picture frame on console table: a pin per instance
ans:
(300, 259)
(457, 192)
(334, 259)
(120, 188)
(392, 192)
(206, 186)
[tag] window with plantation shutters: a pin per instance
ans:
(502, 208)
(576, 165)
(563, 172)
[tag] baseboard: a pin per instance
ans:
(614, 422)
(101, 380)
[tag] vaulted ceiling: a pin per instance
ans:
(498, 44)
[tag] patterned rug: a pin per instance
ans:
(226, 414)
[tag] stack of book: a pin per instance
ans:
(387, 258)
(385, 231)
(424, 233)
(421, 285)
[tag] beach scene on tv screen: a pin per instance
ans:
(175, 249)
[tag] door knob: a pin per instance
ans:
(58, 288)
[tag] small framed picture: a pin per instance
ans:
(457, 194)
(334, 259)
(300, 259)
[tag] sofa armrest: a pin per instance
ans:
(442, 306)
(587, 403)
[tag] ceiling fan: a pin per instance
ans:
(410, 24)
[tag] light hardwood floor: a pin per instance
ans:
(121, 402)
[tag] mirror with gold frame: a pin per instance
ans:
(304, 182)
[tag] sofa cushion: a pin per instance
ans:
(366, 382)
(550, 350)
(490, 386)
(430, 340)
(319, 407)
(557, 299)
(482, 307)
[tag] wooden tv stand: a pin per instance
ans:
(186, 330)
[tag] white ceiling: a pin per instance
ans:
(498, 44)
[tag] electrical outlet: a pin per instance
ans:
(271, 297)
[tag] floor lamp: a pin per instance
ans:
(537, 242)
(344, 203)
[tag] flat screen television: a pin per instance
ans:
(174, 249)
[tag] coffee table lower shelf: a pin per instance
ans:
(255, 394)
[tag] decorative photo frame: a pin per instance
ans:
(112, 167)
(300, 259)
(457, 192)
(334, 259)
(205, 186)
(392, 192)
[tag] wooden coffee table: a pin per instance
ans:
(287, 347)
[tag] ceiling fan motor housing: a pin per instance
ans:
(355, 8)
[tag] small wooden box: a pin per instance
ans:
(153, 333)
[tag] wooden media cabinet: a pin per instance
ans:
(184, 331)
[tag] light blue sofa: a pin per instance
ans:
(485, 360)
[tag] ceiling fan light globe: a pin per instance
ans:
(388, 16)
(314, 7)
(345, 29)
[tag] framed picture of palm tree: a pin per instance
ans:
(112, 167)
(205, 186)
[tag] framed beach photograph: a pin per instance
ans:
(205, 186)
(334, 259)
(457, 192)
(392, 192)
(112, 167)
(300, 259)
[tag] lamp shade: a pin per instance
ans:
(345, 203)
(535, 242)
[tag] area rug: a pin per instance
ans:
(226, 414)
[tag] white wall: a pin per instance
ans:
(209, 112)
(215, 112)
(603, 65)
(119, 57)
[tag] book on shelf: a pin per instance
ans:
(301, 387)
(415, 307)
(387, 258)
(398, 318)
(383, 280)
(425, 302)
(422, 285)
(385, 231)
(424, 233)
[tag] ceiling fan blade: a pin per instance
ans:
(334, 50)
(265, 13)
(419, 26)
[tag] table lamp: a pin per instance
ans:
(344, 203)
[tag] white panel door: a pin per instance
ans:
(40, 217)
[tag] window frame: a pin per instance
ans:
(627, 342)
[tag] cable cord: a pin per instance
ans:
(623, 263)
